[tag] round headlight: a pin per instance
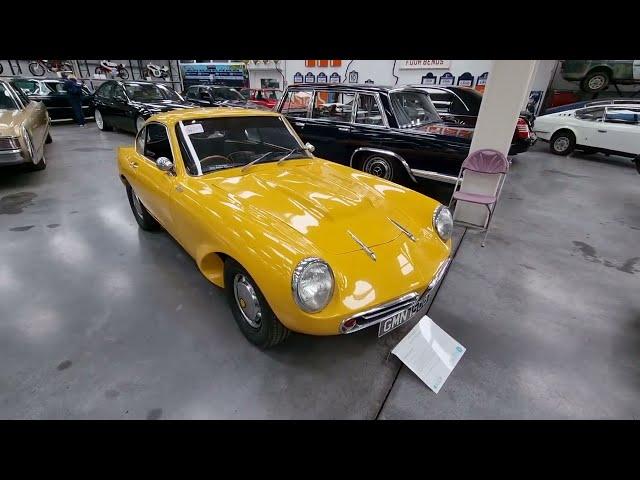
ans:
(443, 222)
(312, 284)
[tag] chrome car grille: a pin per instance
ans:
(382, 312)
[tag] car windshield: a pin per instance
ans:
(213, 144)
(226, 94)
(7, 102)
(413, 109)
(145, 92)
(273, 94)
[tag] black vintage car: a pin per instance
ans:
(127, 104)
(51, 92)
(393, 133)
(217, 96)
(461, 105)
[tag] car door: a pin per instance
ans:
(123, 114)
(37, 120)
(153, 186)
(57, 99)
(295, 106)
(620, 130)
(104, 101)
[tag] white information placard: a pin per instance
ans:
(429, 352)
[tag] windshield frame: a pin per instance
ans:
(8, 88)
(417, 91)
(180, 128)
(158, 86)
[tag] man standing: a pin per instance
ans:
(73, 88)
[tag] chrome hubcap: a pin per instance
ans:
(596, 82)
(137, 204)
(561, 144)
(98, 118)
(379, 166)
(247, 300)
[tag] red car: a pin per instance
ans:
(266, 97)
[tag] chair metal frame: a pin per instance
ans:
(490, 207)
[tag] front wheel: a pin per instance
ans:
(41, 165)
(595, 81)
(562, 142)
(36, 68)
(384, 167)
(141, 214)
(250, 309)
(102, 125)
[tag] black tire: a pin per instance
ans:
(562, 142)
(268, 331)
(101, 122)
(143, 217)
(637, 162)
(37, 69)
(123, 73)
(48, 139)
(41, 165)
(595, 81)
(1, 69)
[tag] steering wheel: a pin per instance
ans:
(212, 159)
(241, 152)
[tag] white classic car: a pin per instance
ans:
(611, 129)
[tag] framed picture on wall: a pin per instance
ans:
(310, 78)
(322, 77)
(465, 80)
(334, 78)
(428, 79)
(482, 81)
(447, 78)
(353, 77)
(298, 78)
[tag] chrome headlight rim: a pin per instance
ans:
(295, 279)
(434, 222)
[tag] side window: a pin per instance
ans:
(192, 92)
(336, 106)
(118, 94)
(443, 101)
(296, 103)
(27, 86)
(592, 114)
(156, 143)
(105, 91)
(623, 115)
(368, 111)
(140, 140)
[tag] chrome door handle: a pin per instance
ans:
(133, 164)
(602, 131)
(298, 124)
(344, 129)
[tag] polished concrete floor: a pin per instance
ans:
(101, 320)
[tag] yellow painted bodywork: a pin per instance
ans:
(271, 216)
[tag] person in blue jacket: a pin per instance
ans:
(73, 87)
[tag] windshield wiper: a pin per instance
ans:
(253, 162)
(291, 152)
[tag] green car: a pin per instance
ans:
(596, 75)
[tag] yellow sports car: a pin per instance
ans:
(298, 243)
(24, 129)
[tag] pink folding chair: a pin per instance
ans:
(485, 162)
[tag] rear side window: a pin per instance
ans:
(336, 106)
(368, 111)
(623, 115)
(296, 103)
(593, 114)
(27, 86)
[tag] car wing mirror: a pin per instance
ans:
(309, 147)
(164, 164)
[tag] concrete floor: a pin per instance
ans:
(101, 320)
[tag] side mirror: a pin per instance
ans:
(164, 164)
(309, 147)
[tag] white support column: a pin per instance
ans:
(504, 97)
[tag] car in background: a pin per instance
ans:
(461, 105)
(51, 92)
(216, 96)
(610, 129)
(297, 242)
(265, 97)
(592, 103)
(596, 75)
(127, 104)
(391, 132)
(24, 129)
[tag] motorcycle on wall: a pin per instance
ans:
(107, 67)
(39, 67)
(156, 71)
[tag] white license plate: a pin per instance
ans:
(401, 317)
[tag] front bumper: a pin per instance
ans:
(12, 157)
(414, 301)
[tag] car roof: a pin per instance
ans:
(179, 115)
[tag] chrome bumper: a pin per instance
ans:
(12, 157)
(382, 312)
